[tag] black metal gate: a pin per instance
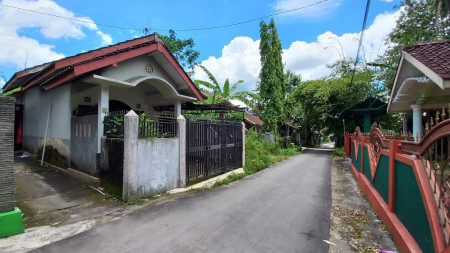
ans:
(212, 147)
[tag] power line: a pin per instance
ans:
(117, 13)
(177, 30)
(72, 19)
(251, 20)
(360, 39)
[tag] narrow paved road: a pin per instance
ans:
(285, 208)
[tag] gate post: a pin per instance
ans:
(181, 134)
(11, 222)
(243, 144)
(130, 155)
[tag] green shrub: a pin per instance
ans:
(285, 142)
(339, 151)
(259, 154)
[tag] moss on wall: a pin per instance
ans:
(111, 169)
(53, 157)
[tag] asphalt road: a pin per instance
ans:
(284, 208)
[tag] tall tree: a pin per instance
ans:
(183, 50)
(271, 86)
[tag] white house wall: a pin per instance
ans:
(80, 91)
(134, 69)
(36, 108)
(130, 96)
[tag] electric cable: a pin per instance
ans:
(165, 30)
(360, 40)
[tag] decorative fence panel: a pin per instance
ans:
(402, 179)
(155, 125)
(212, 147)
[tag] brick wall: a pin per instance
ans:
(6, 154)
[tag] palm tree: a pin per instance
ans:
(226, 94)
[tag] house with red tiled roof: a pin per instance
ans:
(422, 82)
(63, 103)
(251, 121)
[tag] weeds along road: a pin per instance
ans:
(284, 208)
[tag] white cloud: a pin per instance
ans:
(312, 10)
(387, 1)
(106, 38)
(240, 59)
(16, 48)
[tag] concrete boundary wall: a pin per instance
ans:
(152, 165)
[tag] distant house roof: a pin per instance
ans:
(252, 119)
(374, 106)
(423, 78)
(52, 74)
(291, 125)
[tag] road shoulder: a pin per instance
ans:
(354, 227)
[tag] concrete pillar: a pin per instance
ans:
(177, 108)
(417, 122)
(243, 144)
(367, 122)
(181, 134)
(103, 106)
(405, 123)
(11, 222)
(130, 156)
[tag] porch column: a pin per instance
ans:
(103, 107)
(181, 134)
(417, 122)
(177, 108)
(367, 122)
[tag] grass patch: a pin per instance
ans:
(139, 200)
(339, 152)
(231, 178)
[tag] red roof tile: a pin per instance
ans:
(434, 55)
(61, 71)
(253, 119)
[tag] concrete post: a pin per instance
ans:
(103, 105)
(11, 222)
(417, 122)
(181, 134)
(243, 144)
(130, 156)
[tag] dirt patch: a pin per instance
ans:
(354, 227)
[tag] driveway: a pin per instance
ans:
(285, 208)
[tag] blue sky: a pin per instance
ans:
(311, 37)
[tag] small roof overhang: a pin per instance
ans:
(416, 84)
(165, 88)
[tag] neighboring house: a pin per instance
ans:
(69, 98)
(251, 121)
(405, 176)
(422, 82)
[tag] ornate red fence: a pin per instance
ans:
(407, 183)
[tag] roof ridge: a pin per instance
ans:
(426, 43)
(97, 49)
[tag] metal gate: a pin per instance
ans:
(212, 147)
